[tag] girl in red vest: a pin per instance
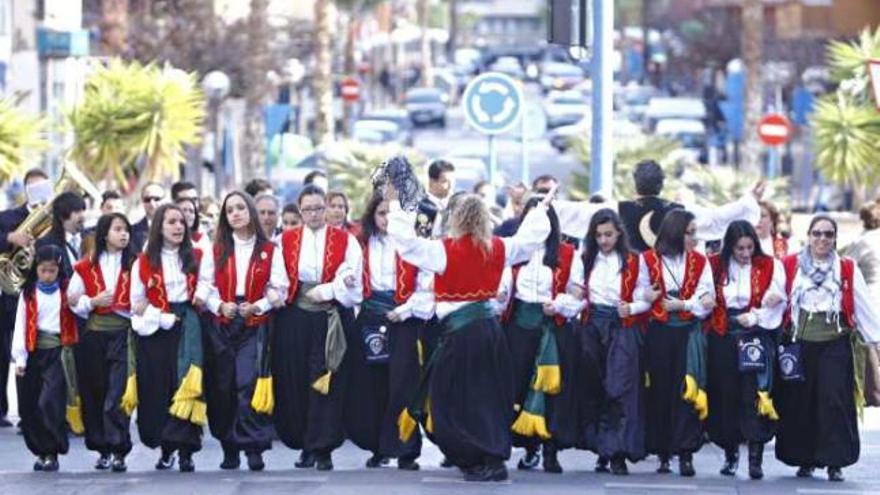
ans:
(382, 361)
(536, 325)
(610, 377)
(683, 294)
(324, 270)
(99, 292)
(190, 210)
(749, 303)
(249, 275)
(828, 302)
(772, 242)
(465, 397)
(44, 330)
(164, 280)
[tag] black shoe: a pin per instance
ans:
(103, 462)
(306, 460)
(446, 463)
(50, 463)
(805, 472)
(406, 464)
(165, 462)
(602, 465)
(324, 463)
(835, 474)
(5, 423)
(38, 464)
(618, 466)
(231, 459)
(756, 458)
(731, 462)
(530, 460)
(664, 465)
(118, 464)
(376, 461)
(186, 464)
(686, 465)
(255, 461)
(486, 472)
(551, 460)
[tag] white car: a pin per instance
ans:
(690, 133)
(377, 132)
(560, 138)
(557, 76)
(673, 108)
(565, 108)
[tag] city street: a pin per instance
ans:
(350, 477)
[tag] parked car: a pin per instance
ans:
(399, 117)
(376, 132)
(673, 108)
(426, 106)
(560, 138)
(469, 170)
(509, 66)
(565, 108)
(690, 133)
(557, 76)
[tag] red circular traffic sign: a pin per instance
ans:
(774, 129)
(351, 90)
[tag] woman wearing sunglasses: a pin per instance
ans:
(829, 301)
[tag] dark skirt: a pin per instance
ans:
(560, 409)
(733, 414)
(157, 381)
(366, 392)
(672, 425)
(611, 398)
(102, 372)
(403, 380)
(304, 418)
(818, 425)
(230, 387)
(471, 394)
(42, 403)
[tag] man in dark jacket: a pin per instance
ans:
(38, 190)
(68, 210)
(152, 195)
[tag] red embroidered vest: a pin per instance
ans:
(154, 281)
(67, 325)
(694, 265)
(93, 280)
(761, 276)
(628, 280)
(256, 279)
(471, 273)
(847, 273)
(780, 247)
(405, 276)
(561, 274)
(335, 244)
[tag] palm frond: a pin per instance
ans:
(22, 138)
(847, 140)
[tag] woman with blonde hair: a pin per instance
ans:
(465, 399)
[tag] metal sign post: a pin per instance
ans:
(493, 103)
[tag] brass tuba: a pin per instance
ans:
(14, 265)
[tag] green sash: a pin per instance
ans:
(188, 403)
(335, 344)
(73, 411)
(546, 375)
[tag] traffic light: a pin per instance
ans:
(569, 23)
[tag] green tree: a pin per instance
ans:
(22, 139)
(846, 123)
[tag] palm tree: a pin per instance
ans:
(256, 88)
(136, 121)
(752, 45)
(114, 27)
(22, 138)
(322, 80)
(846, 124)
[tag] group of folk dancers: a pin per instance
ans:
(476, 342)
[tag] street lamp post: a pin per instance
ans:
(216, 87)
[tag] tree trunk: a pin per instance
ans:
(349, 62)
(322, 80)
(752, 45)
(257, 91)
(451, 44)
(114, 27)
(422, 10)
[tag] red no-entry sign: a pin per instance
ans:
(351, 90)
(774, 129)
